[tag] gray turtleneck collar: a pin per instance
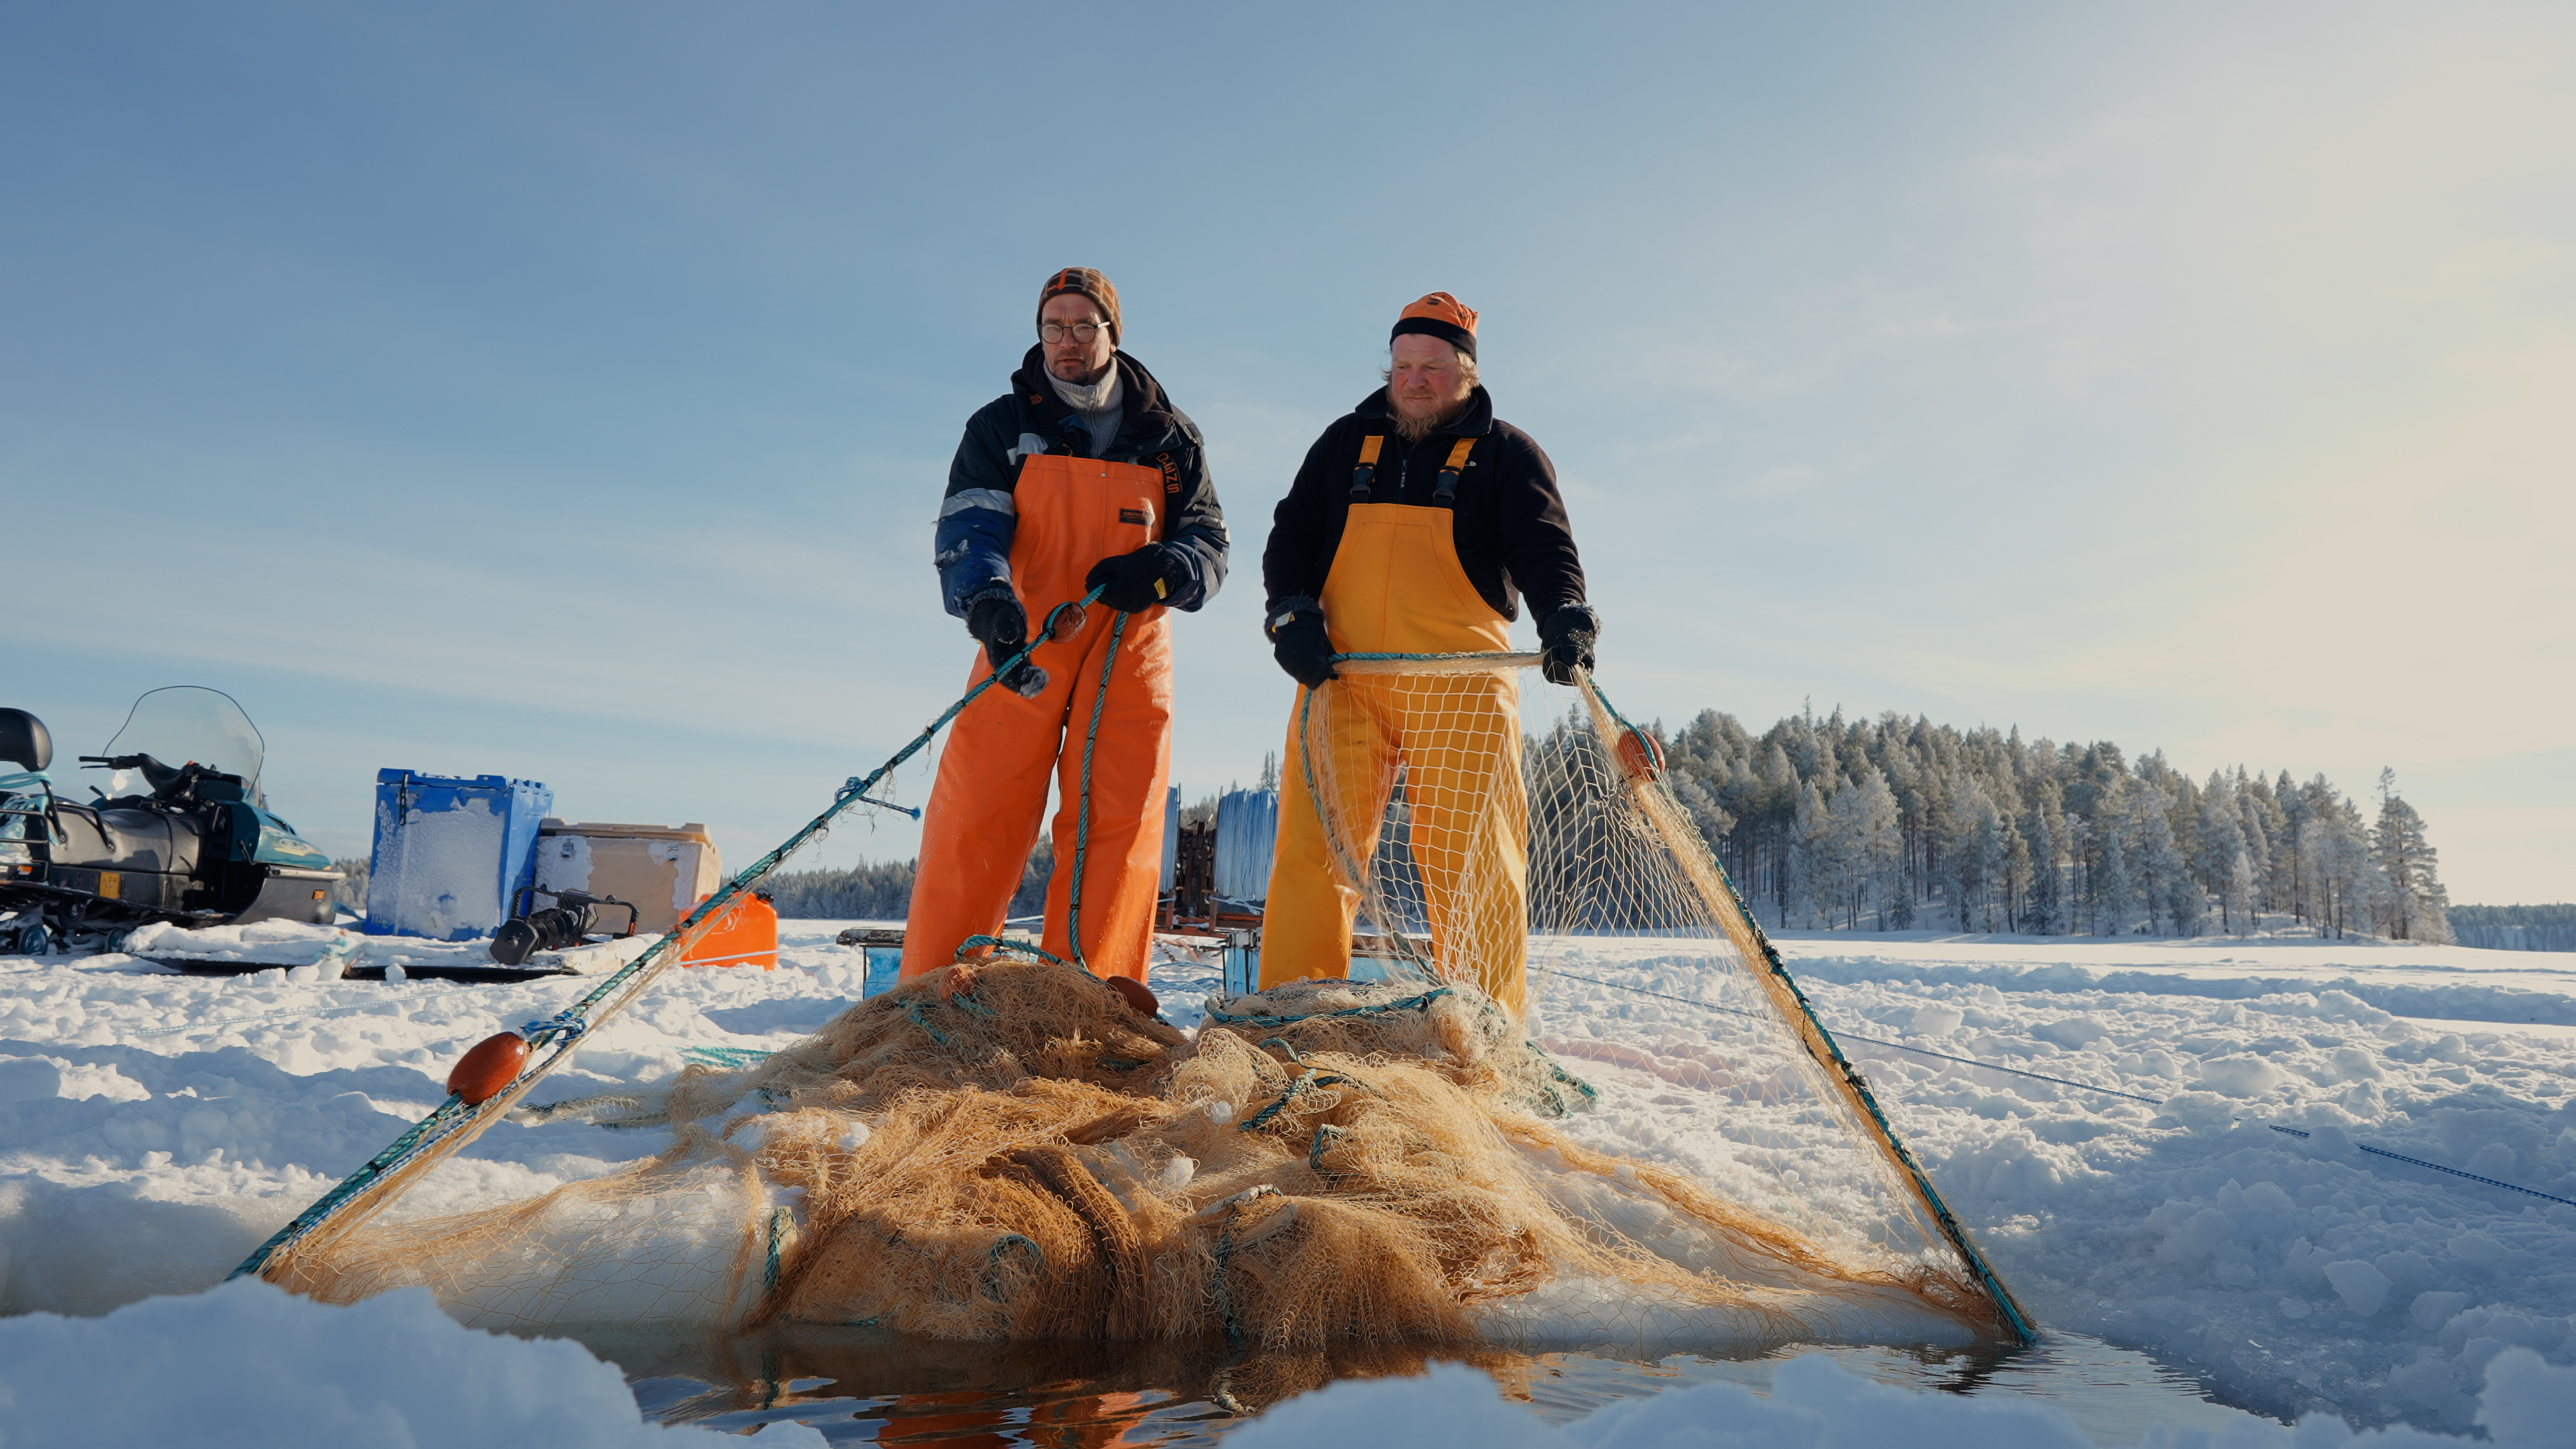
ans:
(1100, 405)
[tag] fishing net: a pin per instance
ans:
(1010, 1151)
(1580, 885)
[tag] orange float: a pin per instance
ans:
(1137, 994)
(489, 1069)
(1640, 758)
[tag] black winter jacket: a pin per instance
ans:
(972, 544)
(1510, 527)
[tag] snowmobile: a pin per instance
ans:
(191, 843)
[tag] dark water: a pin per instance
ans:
(864, 1386)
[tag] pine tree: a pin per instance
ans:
(2155, 858)
(1874, 843)
(2241, 889)
(2416, 901)
(2044, 913)
(2115, 890)
(2221, 847)
(1809, 859)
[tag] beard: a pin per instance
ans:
(1413, 426)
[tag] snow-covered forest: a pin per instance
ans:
(1897, 824)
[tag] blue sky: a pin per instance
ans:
(565, 391)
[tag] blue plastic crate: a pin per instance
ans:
(1242, 970)
(451, 852)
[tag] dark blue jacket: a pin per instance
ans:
(972, 547)
(1510, 530)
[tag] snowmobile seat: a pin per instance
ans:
(114, 838)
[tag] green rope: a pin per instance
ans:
(781, 1221)
(728, 1059)
(1261, 1119)
(1021, 948)
(1410, 1003)
(1082, 810)
(558, 1035)
(993, 1261)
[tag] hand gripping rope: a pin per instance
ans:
(454, 1123)
(1719, 894)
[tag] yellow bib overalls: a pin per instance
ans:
(1396, 586)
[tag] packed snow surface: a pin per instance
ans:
(154, 1128)
(250, 1365)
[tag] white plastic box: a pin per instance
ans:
(662, 870)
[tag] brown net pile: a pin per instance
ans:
(1011, 1152)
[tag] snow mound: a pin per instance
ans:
(248, 1364)
(1817, 1404)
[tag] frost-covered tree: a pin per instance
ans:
(2417, 905)
(1809, 863)
(2221, 844)
(2156, 859)
(2115, 888)
(1980, 862)
(2242, 886)
(2081, 836)
(2044, 828)
(1875, 842)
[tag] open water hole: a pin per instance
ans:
(865, 1386)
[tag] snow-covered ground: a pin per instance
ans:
(155, 1127)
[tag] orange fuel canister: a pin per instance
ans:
(746, 934)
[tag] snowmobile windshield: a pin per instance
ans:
(187, 723)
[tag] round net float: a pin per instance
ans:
(1136, 993)
(1640, 758)
(490, 1067)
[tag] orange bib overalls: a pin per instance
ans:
(1396, 586)
(982, 820)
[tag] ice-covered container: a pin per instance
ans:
(1247, 829)
(451, 852)
(661, 870)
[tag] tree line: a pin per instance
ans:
(2516, 928)
(1901, 824)
(1898, 824)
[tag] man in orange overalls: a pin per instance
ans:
(1083, 475)
(1412, 522)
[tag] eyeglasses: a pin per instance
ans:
(1082, 332)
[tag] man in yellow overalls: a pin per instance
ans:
(1409, 527)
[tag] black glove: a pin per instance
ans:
(998, 622)
(1135, 581)
(1297, 637)
(1565, 642)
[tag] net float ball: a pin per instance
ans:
(488, 1069)
(1136, 992)
(1640, 758)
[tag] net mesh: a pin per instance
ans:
(1009, 1151)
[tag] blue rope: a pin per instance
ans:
(731, 1059)
(1023, 948)
(2437, 1167)
(1082, 811)
(1410, 1003)
(453, 1116)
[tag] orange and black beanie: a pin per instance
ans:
(1439, 315)
(1088, 282)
